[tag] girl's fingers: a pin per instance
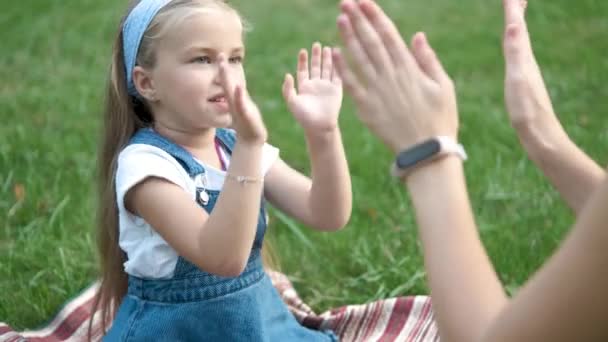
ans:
(289, 90)
(226, 82)
(240, 101)
(302, 74)
(327, 64)
(315, 61)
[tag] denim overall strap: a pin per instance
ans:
(148, 136)
(227, 138)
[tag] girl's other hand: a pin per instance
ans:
(317, 100)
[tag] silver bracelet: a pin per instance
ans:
(244, 179)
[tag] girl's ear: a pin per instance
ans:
(144, 83)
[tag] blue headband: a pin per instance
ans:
(132, 33)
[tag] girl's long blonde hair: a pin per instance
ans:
(123, 115)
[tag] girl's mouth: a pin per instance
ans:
(218, 98)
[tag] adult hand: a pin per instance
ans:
(403, 96)
(526, 96)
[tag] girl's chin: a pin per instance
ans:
(223, 120)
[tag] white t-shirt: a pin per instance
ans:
(149, 255)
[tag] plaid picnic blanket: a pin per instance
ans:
(397, 319)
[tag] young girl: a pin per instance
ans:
(182, 213)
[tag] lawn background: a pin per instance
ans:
(53, 63)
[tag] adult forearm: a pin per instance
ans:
(466, 292)
(573, 173)
(330, 198)
(570, 287)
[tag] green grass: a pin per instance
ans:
(53, 68)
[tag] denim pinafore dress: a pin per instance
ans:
(198, 306)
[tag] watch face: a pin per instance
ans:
(418, 153)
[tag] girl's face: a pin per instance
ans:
(188, 92)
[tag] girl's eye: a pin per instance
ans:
(202, 59)
(235, 60)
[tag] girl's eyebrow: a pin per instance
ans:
(213, 51)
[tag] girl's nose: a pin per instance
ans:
(217, 77)
(221, 58)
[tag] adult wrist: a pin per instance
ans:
(540, 139)
(433, 175)
(427, 152)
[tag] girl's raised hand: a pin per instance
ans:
(317, 100)
(247, 120)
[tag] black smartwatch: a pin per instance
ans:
(424, 153)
